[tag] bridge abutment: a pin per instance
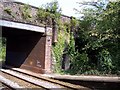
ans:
(29, 50)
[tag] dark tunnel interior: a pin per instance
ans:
(20, 44)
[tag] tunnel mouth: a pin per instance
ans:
(28, 49)
(22, 48)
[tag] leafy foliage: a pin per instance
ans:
(58, 50)
(2, 48)
(50, 12)
(26, 12)
(53, 7)
(98, 39)
(41, 14)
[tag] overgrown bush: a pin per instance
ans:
(99, 38)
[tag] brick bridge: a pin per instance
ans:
(29, 42)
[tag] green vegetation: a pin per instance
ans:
(59, 47)
(26, 12)
(2, 49)
(98, 41)
(58, 50)
(50, 12)
(41, 14)
(44, 16)
(95, 50)
(53, 7)
(8, 10)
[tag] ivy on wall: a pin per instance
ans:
(59, 47)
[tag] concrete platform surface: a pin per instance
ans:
(84, 78)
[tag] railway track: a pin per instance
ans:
(12, 83)
(4, 86)
(37, 81)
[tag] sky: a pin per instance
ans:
(67, 6)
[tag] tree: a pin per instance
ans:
(99, 37)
